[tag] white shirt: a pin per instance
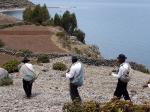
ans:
(27, 71)
(30, 66)
(124, 69)
(75, 69)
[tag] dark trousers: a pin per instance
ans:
(27, 86)
(74, 93)
(121, 89)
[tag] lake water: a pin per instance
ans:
(118, 26)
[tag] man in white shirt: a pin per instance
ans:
(27, 71)
(123, 78)
(75, 74)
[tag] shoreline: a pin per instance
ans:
(11, 10)
(22, 9)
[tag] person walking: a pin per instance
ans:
(123, 78)
(29, 75)
(76, 76)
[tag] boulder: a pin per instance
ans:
(3, 73)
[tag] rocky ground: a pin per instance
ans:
(51, 91)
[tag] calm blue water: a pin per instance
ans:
(118, 26)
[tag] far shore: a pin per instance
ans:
(22, 9)
(11, 10)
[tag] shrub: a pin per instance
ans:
(124, 106)
(80, 35)
(1, 44)
(59, 66)
(95, 49)
(6, 81)
(78, 51)
(112, 106)
(90, 106)
(43, 59)
(60, 34)
(11, 66)
(139, 67)
(72, 107)
(26, 52)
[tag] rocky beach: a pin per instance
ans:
(51, 90)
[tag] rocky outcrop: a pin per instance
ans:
(9, 4)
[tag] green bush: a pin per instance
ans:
(6, 81)
(11, 66)
(59, 66)
(1, 44)
(43, 59)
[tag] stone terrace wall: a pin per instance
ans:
(85, 60)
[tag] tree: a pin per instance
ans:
(45, 13)
(74, 23)
(80, 35)
(57, 20)
(69, 22)
(27, 14)
(37, 16)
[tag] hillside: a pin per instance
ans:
(51, 91)
(10, 4)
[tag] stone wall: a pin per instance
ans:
(85, 60)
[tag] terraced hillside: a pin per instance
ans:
(29, 37)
